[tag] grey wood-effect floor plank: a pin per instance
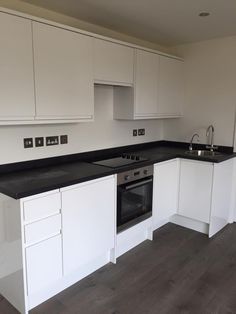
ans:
(180, 272)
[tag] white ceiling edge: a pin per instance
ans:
(37, 11)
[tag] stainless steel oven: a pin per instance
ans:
(134, 197)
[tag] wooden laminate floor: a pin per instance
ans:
(181, 271)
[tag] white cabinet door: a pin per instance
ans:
(165, 190)
(195, 190)
(171, 87)
(63, 73)
(221, 196)
(16, 69)
(113, 63)
(146, 84)
(88, 222)
(43, 264)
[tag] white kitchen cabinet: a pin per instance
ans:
(146, 84)
(43, 264)
(16, 69)
(221, 196)
(158, 89)
(88, 222)
(165, 191)
(139, 102)
(113, 63)
(42, 229)
(63, 74)
(171, 87)
(195, 188)
(41, 206)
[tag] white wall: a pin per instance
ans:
(210, 82)
(104, 132)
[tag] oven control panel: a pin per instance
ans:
(134, 175)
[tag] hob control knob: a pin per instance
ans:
(126, 177)
(145, 171)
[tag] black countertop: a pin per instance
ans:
(28, 178)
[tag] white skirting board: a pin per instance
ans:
(128, 239)
(190, 223)
(160, 223)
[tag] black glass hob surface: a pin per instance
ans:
(121, 161)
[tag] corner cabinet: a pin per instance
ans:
(63, 74)
(16, 69)
(194, 194)
(205, 192)
(158, 89)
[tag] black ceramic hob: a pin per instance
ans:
(124, 160)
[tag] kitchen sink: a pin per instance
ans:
(202, 153)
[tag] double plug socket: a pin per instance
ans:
(138, 132)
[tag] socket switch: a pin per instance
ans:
(28, 142)
(141, 132)
(64, 139)
(39, 141)
(52, 140)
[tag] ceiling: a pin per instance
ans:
(166, 22)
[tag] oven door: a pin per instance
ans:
(134, 202)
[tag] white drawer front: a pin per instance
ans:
(43, 229)
(43, 264)
(42, 207)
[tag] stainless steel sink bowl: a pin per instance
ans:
(202, 153)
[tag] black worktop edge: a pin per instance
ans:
(101, 154)
(87, 157)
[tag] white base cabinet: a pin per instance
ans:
(221, 196)
(51, 240)
(43, 264)
(165, 191)
(194, 194)
(54, 239)
(88, 220)
(195, 187)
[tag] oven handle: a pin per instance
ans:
(137, 184)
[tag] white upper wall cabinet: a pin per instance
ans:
(16, 69)
(158, 89)
(146, 84)
(48, 71)
(139, 102)
(171, 87)
(113, 63)
(63, 73)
